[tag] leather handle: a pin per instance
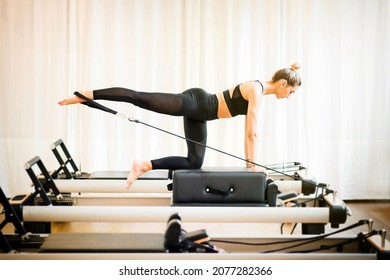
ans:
(215, 191)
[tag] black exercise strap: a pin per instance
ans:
(89, 102)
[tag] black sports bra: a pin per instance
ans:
(236, 104)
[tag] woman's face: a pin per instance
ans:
(285, 90)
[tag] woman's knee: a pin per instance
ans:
(195, 163)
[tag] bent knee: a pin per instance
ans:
(195, 163)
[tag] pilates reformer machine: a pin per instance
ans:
(32, 215)
(175, 242)
(206, 187)
(93, 188)
(81, 190)
(277, 192)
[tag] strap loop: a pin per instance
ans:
(93, 104)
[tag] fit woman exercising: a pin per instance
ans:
(197, 107)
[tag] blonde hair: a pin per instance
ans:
(290, 74)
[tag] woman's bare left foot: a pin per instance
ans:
(75, 99)
(139, 168)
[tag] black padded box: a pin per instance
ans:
(228, 186)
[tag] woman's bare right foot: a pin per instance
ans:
(139, 168)
(75, 99)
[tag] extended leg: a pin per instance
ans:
(186, 104)
(164, 103)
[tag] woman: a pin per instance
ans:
(197, 107)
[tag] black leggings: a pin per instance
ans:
(195, 105)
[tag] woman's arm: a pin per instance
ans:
(252, 91)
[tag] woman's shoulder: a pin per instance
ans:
(251, 87)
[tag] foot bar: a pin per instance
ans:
(188, 214)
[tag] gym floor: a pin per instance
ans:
(377, 210)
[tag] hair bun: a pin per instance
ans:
(295, 66)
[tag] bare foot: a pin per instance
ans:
(259, 169)
(75, 99)
(139, 168)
